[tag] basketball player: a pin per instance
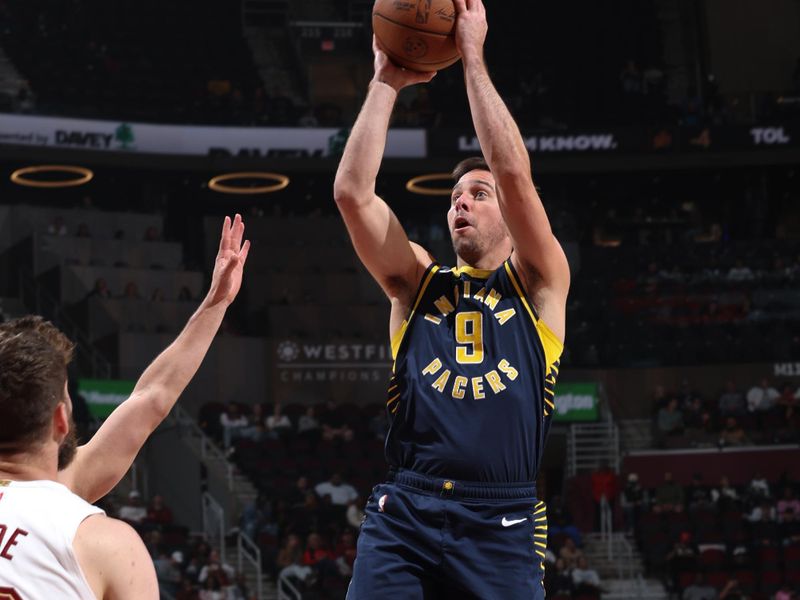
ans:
(53, 543)
(476, 351)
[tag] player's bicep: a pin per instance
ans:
(383, 246)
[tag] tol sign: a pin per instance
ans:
(769, 136)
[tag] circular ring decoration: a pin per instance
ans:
(218, 183)
(84, 176)
(414, 184)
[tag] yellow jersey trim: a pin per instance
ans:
(553, 347)
(472, 272)
(397, 339)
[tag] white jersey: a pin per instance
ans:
(38, 522)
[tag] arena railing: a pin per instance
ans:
(249, 553)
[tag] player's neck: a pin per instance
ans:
(488, 262)
(28, 466)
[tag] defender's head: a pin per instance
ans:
(35, 407)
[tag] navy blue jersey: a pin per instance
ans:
(471, 396)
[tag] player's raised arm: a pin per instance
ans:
(535, 246)
(100, 464)
(378, 237)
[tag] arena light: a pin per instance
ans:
(219, 183)
(82, 176)
(419, 184)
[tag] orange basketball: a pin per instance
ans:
(416, 34)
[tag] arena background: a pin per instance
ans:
(665, 141)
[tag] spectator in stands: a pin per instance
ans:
(732, 591)
(788, 400)
(558, 581)
(763, 511)
(278, 424)
(693, 412)
(83, 231)
(731, 402)
(232, 420)
(297, 495)
(318, 556)
(379, 424)
(213, 587)
(290, 560)
(785, 593)
(633, 501)
(788, 503)
(151, 234)
(670, 420)
(133, 511)
(669, 496)
(570, 553)
(57, 226)
(158, 513)
(345, 553)
(758, 489)
(215, 568)
(586, 580)
(559, 520)
(699, 589)
(334, 425)
(100, 289)
(308, 425)
(698, 496)
(724, 496)
(733, 434)
(355, 513)
(131, 291)
(341, 493)
(168, 570)
(682, 557)
(762, 398)
(604, 485)
(187, 590)
(157, 295)
(790, 528)
(740, 272)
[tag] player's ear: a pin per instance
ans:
(60, 421)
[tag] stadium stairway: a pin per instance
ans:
(620, 566)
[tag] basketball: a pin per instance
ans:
(417, 34)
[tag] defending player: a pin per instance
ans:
(476, 351)
(60, 545)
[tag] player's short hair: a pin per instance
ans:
(470, 164)
(34, 356)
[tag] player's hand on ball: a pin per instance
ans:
(397, 77)
(229, 265)
(471, 28)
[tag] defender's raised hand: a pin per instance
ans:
(229, 265)
(471, 28)
(389, 73)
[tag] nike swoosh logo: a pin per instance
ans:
(506, 523)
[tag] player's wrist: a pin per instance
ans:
(381, 81)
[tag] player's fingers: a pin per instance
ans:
(223, 238)
(460, 5)
(237, 232)
(245, 251)
(375, 47)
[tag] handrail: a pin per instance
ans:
(214, 528)
(284, 580)
(208, 449)
(247, 549)
(606, 525)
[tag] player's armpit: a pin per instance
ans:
(114, 560)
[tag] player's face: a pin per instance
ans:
(474, 219)
(69, 445)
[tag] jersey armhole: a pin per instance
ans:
(552, 346)
(399, 336)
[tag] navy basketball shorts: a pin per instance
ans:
(432, 538)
